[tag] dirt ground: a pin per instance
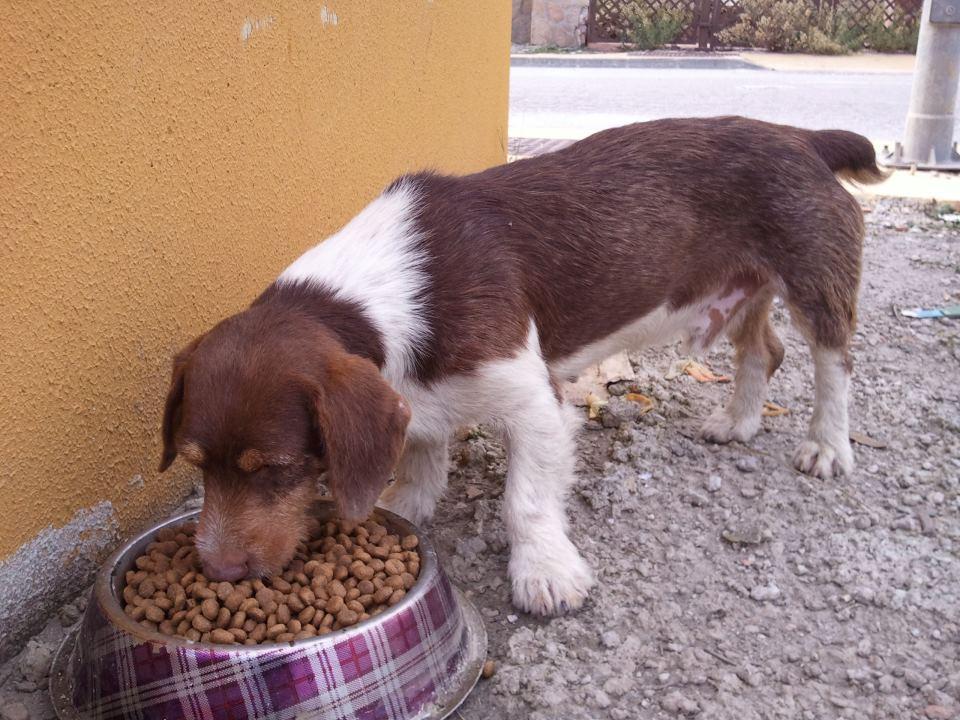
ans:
(729, 585)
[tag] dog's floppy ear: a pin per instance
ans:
(172, 409)
(361, 423)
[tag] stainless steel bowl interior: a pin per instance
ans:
(110, 580)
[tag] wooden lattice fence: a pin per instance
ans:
(607, 20)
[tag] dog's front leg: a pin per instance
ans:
(547, 572)
(421, 479)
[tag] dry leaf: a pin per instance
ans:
(863, 439)
(698, 371)
(646, 404)
(594, 404)
(771, 409)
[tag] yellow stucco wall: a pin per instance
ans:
(159, 164)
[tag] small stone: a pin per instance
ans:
(610, 639)
(858, 676)
(489, 668)
(601, 699)
(713, 483)
(746, 534)
(914, 679)
(864, 595)
(618, 686)
(937, 498)
(14, 711)
(765, 593)
(862, 522)
(695, 499)
(748, 675)
(473, 492)
(939, 712)
(471, 547)
(512, 618)
(35, 661)
(904, 523)
(747, 464)
(677, 703)
(749, 491)
(885, 684)
(68, 615)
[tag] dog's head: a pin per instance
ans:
(264, 406)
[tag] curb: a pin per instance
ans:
(654, 62)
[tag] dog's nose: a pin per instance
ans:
(228, 566)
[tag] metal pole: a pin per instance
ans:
(928, 140)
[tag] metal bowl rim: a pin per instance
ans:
(113, 610)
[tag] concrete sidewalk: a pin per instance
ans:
(864, 62)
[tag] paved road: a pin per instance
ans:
(574, 102)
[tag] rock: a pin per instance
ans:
(618, 686)
(68, 615)
(522, 646)
(745, 534)
(939, 712)
(610, 639)
(713, 483)
(749, 676)
(470, 548)
(618, 411)
(747, 464)
(601, 699)
(695, 499)
(14, 711)
(473, 491)
(765, 593)
(677, 703)
(885, 684)
(904, 523)
(914, 679)
(864, 595)
(35, 661)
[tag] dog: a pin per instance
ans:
(450, 301)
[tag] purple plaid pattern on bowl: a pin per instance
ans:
(389, 670)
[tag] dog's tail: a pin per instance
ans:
(848, 155)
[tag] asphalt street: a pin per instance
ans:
(548, 102)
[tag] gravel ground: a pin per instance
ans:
(729, 585)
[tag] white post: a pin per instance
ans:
(928, 140)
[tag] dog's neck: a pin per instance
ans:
(345, 319)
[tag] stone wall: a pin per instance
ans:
(520, 32)
(557, 22)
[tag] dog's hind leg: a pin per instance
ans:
(759, 354)
(822, 298)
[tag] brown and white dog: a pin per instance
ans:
(450, 301)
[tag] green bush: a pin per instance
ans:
(649, 28)
(799, 26)
(900, 35)
(786, 26)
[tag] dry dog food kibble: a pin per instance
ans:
(346, 575)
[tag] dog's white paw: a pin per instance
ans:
(722, 427)
(407, 501)
(824, 460)
(549, 581)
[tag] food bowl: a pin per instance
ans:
(418, 659)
